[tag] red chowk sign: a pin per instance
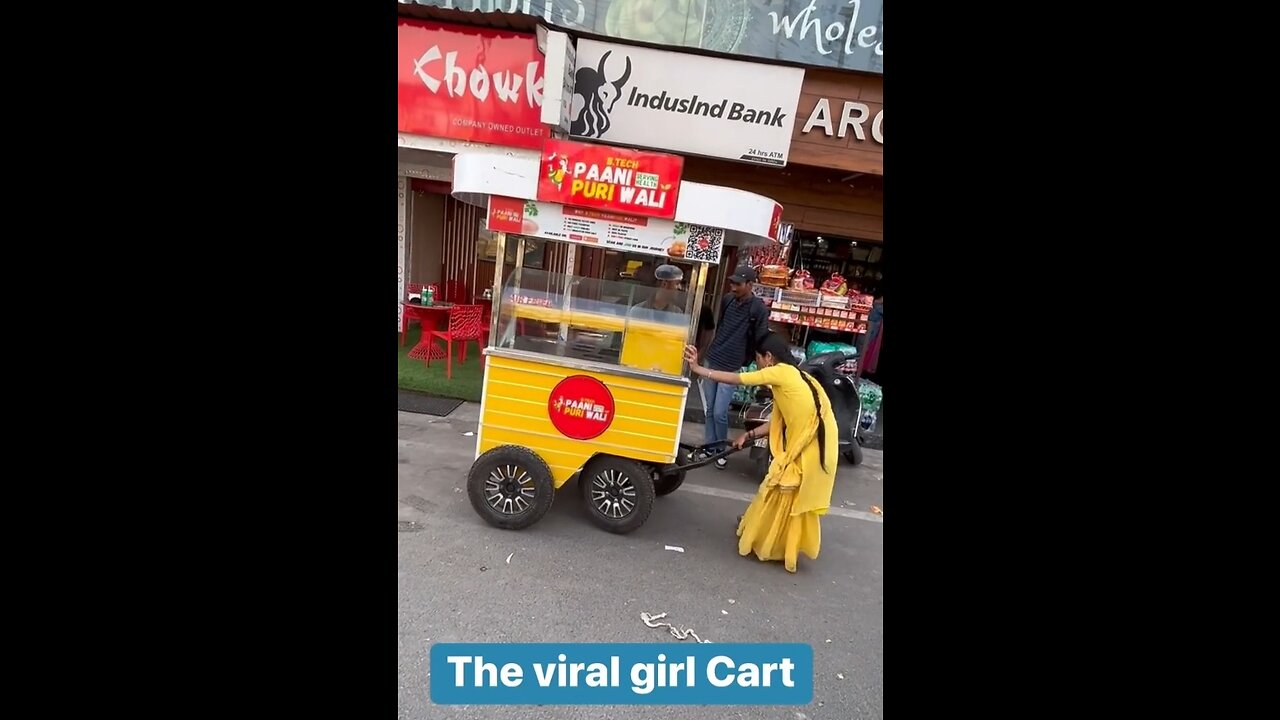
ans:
(633, 182)
(468, 83)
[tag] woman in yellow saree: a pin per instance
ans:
(782, 521)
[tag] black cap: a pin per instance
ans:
(743, 274)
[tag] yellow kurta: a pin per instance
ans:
(782, 521)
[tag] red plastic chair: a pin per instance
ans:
(465, 325)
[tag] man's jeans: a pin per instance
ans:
(718, 397)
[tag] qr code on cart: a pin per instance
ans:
(704, 243)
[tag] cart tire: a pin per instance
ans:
(622, 487)
(667, 484)
(510, 487)
(854, 453)
(762, 467)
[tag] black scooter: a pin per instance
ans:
(830, 370)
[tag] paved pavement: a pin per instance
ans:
(563, 580)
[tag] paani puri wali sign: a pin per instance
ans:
(609, 178)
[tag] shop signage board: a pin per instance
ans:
(630, 182)
(468, 83)
(588, 226)
(845, 34)
(840, 122)
(558, 93)
(691, 104)
(845, 117)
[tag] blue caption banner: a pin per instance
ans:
(621, 674)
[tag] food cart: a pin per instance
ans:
(585, 376)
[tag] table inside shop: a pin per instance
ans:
(429, 317)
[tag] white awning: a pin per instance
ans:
(747, 218)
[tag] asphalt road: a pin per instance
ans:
(563, 580)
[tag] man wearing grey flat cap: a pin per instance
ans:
(668, 278)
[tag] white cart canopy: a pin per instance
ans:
(748, 219)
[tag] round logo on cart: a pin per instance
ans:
(581, 407)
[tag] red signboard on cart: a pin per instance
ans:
(634, 182)
(506, 215)
(469, 83)
(581, 407)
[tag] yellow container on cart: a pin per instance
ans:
(532, 402)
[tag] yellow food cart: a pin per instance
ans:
(585, 377)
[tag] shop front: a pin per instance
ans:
(838, 150)
(812, 139)
(725, 108)
(460, 89)
(701, 107)
(833, 190)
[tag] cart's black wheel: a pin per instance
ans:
(667, 484)
(510, 487)
(762, 467)
(618, 492)
(854, 453)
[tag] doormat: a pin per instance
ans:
(426, 404)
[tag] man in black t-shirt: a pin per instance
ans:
(744, 322)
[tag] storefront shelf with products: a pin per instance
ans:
(815, 309)
(820, 312)
(821, 322)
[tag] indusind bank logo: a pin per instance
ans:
(723, 108)
(594, 95)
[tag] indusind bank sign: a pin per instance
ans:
(685, 103)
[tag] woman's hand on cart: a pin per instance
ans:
(691, 356)
(751, 436)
